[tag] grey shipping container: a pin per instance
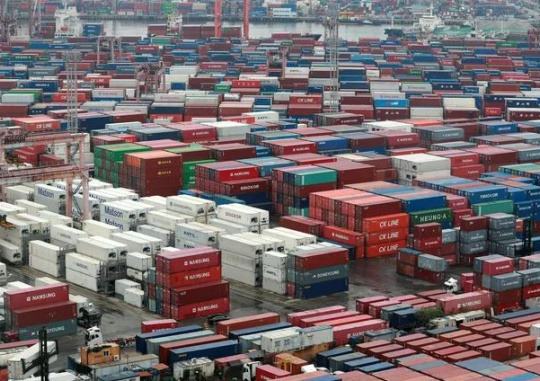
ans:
(432, 263)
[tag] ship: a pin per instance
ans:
(429, 23)
(68, 23)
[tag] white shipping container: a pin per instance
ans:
(55, 218)
(10, 252)
(189, 205)
(279, 287)
(449, 102)
(263, 116)
(10, 210)
(97, 250)
(121, 248)
(121, 285)
(230, 227)
(166, 237)
(37, 225)
(16, 363)
(388, 125)
(83, 264)
(45, 251)
(138, 261)
(82, 280)
(45, 281)
(78, 206)
(237, 244)
(275, 274)
(198, 233)
(137, 275)
(134, 297)
(66, 234)
(233, 213)
(283, 341)
(167, 219)
(133, 244)
(17, 285)
(97, 228)
(123, 83)
(19, 192)
(31, 207)
(11, 98)
(51, 268)
(124, 127)
(253, 264)
(291, 238)
(155, 243)
(158, 202)
(275, 259)
(427, 113)
(120, 224)
(317, 335)
(117, 211)
(420, 163)
(240, 275)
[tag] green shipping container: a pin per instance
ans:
(161, 40)
(54, 329)
(434, 215)
(504, 206)
(222, 87)
(298, 211)
(116, 152)
(315, 177)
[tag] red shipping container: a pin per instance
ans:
(157, 325)
(43, 315)
(295, 317)
(362, 305)
(386, 222)
(383, 249)
(344, 321)
(36, 296)
(497, 266)
(386, 236)
(374, 309)
(341, 235)
(199, 293)
(224, 327)
(343, 333)
(523, 346)
(453, 304)
(532, 291)
(189, 278)
(320, 258)
(498, 352)
(173, 261)
(311, 321)
(206, 308)
(269, 372)
(428, 230)
(474, 223)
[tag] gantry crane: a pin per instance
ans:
(8, 22)
(34, 24)
(218, 18)
(331, 40)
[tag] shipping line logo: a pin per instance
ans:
(34, 298)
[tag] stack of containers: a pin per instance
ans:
(420, 166)
(137, 265)
(274, 272)
(47, 258)
(152, 173)
(28, 310)
(192, 156)
(292, 187)
(473, 236)
(463, 164)
(502, 235)
(242, 256)
(184, 280)
(385, 235)
(315, 272)
(499, 277)
(244, 217)
(108, 160)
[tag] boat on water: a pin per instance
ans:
(68, 23)
(429, 23)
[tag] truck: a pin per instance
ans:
(93, 337)
(455, 320)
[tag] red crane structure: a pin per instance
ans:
(218, 18)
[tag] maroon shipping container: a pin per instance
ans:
(416, 344)
(453, 304)
(362, 305)
(350, 172)
(165, 349)
(157, 325)
(498, 352)
(224, 327)
(320, 258)
(428, 230)
(295, 317)
(199, 293)
(443, 353)
(36, 296)
(429, 349)
(463, 356)
(189, 278)
(43, 315)
(343, 333)
(497, 266)
(474, 223)
(206, 308)
(523, 346)
(311, 321)
(303, 224)
(366, 347)
(344, 321)
(269, 372)
(173, 261)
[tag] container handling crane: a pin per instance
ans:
(8, 22)
(218, 18)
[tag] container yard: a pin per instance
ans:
(195, 203)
